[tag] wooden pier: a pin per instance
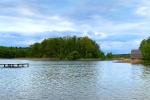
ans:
(15, 65)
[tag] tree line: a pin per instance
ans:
(13, 52)
(70, 48)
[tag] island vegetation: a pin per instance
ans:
(63, 48)
(13, 52)
(70, 48)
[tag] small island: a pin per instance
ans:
(61, 48)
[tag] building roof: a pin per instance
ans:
(136, 54)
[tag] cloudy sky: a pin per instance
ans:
(116, 25)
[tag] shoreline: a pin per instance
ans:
(130, 61)
(121, 60)
(57, 59)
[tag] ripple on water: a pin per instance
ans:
(75, 80)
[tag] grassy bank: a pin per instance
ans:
(131, 61)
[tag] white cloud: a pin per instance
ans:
(143, 11)
(30, 26)
(123, 47)
(101, 34)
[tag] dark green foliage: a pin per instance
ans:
(116, 56)
(13, 52)
(102, 55)
(67, 48)
(70, 48)
(145, 49)
(73, 55)
(109, 56)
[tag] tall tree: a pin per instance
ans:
(145, 49)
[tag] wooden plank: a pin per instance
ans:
(15, 65)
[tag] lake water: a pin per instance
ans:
(74, 80)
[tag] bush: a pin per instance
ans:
(145, 49)
(73, 55)
(109, 56)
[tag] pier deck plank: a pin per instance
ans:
(15, 65)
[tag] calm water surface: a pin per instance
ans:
(74, 80)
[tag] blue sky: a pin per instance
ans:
(116, 25)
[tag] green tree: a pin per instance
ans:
(73, 55)
(109, 55)
(145, 49)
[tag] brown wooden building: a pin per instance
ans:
(136, 56)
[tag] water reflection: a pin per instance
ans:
(75, 80)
